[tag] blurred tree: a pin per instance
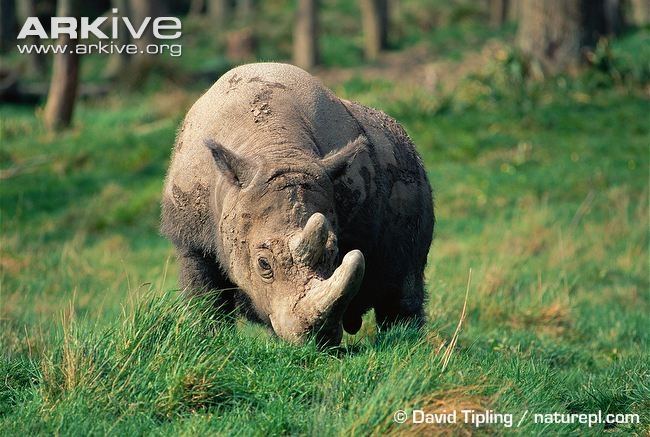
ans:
(601, 18)
(374, 21)
(220, 12)
(7, 24)
(62, 94)
(498, 10)
(197, 7)
(139, 11)
(513, 10)
(36, 62)
(143, 61)
(241, 45)
(305, 35)
(639, 14)
(246, 9)
(549, 30)
(555, 32)
(118, 62)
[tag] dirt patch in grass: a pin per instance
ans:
(553, 319)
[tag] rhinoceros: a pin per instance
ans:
(298, 208)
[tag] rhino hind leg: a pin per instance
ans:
(200, 274)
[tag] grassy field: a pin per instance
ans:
(542, 195)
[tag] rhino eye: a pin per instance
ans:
(266, 269)
(264, 264)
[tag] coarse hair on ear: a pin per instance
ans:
(236, 169)
(337, 161)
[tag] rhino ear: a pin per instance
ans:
(337, 161)
(236, 169)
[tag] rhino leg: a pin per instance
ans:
(402, 305)
(200, 274)
(352, 321)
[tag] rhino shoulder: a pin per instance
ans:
(187, 208)
(392, 145)
(404, 185)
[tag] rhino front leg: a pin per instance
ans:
(406, 312)
(200, 274)
(402, 305)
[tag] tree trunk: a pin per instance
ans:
(119, 62)
(141, 64)
(7, 24)
(36, 61)
(138, 11)
(551, 32)
(514, 10)
(640, 12)
(61, 97)
(371, 23)
(305, 35)
(246, 9)
(196, 8)
(384, 22)
(219, 12)
(614, 16)
(498, 12)
(600, 18)
(556, 32)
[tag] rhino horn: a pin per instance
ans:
(327, 300)
(307, 245)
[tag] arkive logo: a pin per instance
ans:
(109, 36)
(82, 28)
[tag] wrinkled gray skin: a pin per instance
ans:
(304, 209)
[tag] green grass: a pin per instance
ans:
(541, 191)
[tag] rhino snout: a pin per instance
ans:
(320, 310)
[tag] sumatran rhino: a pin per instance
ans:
(302, 209)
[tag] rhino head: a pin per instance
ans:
(278, 234)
